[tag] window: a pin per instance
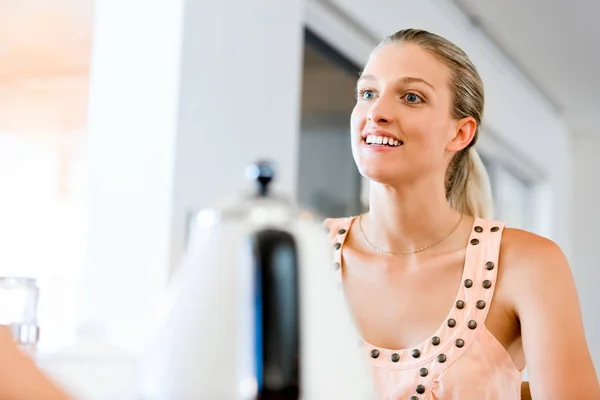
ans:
(513, 195)
(329, 181)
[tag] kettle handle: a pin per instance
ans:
(277, 315)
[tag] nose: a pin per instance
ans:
(381, 111)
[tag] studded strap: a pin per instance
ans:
(484, 268)
(476, 293)
(338, 231)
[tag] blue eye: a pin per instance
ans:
(366, 94)
(413, 98)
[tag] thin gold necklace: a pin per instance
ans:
(406, 252)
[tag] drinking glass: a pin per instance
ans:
(18, 310)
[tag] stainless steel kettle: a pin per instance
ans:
(254, 311)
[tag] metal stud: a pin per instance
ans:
(480, 304)
(337, 265)
(487, 284)
(416, 353)
(460, 304)
(414, 398)
(395, 357)
(337, 246)
(423, 372)
(435, 340)
(495, 229)
(374, 353)
(472, 324)
(441, 358)
(451, 322)
(489, 265)
(474, 242)
(478, 229)
(468, 283)
(420, 389)
(341, 231)
(459, 343)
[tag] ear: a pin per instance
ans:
(465, 132)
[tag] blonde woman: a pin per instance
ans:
(449, 303)
(20, 379)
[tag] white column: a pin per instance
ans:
(586, 215)
(184, 95)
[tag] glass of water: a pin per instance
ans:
(18, 310)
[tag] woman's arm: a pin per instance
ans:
(20, 379)
(547, 305)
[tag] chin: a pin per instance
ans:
(379, 174)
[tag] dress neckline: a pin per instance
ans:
(455, 322)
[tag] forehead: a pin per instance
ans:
(397, 61)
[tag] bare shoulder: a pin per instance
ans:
(532, 268)
(537, 278)
(523, 252)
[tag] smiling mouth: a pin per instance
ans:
(373, 140)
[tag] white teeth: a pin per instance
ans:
(382, 140)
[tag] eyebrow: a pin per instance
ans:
(407, 79)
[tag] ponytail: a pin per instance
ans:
(468, 188)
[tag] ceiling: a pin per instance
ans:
(557, 44)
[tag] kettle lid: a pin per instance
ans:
(263, 173)
(262, 205)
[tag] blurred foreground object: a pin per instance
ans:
(254, 312)
(20, 379)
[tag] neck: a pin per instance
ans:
(408, 218)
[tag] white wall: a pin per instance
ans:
(184, 95)
(131, 139)
(586, 259)
(239, 101)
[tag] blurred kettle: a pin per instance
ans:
(254, 311)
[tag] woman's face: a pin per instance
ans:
(401, 124)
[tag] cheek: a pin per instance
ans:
(357, 121)
(425, 129)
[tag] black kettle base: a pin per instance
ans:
(289, 394)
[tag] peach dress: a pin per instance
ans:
(462, 360)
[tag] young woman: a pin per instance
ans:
(450, 304)
(19, 377)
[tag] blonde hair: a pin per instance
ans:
(468, 188)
